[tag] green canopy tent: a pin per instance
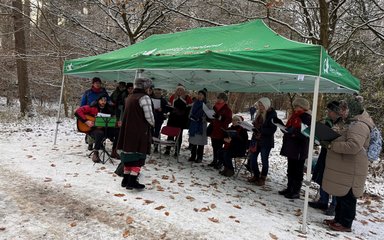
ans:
(246, 57)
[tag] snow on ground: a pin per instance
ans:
(56, 192)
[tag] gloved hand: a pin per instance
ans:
(255, 130)
(217, 116)
(290, 130)
(325, 144)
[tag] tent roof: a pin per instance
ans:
(246, 57)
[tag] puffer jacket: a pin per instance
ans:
(346, 165)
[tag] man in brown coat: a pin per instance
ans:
(346, 166)
(135, 133)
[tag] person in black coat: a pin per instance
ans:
(262, 140)
(235, 145)
(295, 147)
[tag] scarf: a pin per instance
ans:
(218, 106)
(295, 120)
(96, 90)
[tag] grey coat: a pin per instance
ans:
(346, 164)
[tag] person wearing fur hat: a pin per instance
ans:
(135, 133)
(235, 145)
(91, 94)
(198, 128)
(181, 104)
(222, 118)
(262, 140)
(295, 147)
(346, 166)
(97, 134)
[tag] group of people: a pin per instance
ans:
(341, 169)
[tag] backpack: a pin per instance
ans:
(375, 144)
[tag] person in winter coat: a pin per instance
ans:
(135, 133)
(295, 147)
(235, 145)
(222, 118)
(336, 120)
(181, 104)
(118, 98)
(97, 133)
(263, 139)
(346, 166)
(198, 128)
(159, 113)
(94, 92)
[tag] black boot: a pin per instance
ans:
(193, 153)
(288, 189)
(295, 192)
(124, 182)
(200, 152)
(133, 183)
(213, 163)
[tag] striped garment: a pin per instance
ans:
(146, 104)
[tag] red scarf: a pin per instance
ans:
(218, 106)
(96, 90)
(295, 120)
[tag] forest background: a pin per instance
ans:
(37, 36)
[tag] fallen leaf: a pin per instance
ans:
(232, 217)
(166, 214)
(73, 224)
(29, 156)
(204, 210)
(213, 206)
(47, 179)
(2, 228)
(165, 177)
(364, 222)
(237, 221)
(146, 202)
(159, 207)
(160, 188)
(126, 233)
(162, 236)
(173, 179)
(237, 206)
(129, 220)
(68, 185)
(298, 212)
(212, 219)
(119, 194)
(155, 181)
(195, 209)
(102, 168)
(53, 165)
(273, 236)
(190, 198)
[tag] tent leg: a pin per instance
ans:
(58, 111)
(307, 182)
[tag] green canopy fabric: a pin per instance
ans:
(246, 57)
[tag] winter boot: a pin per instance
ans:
(95, 156)
(193, 153)
(133, 183)
(124, 182)
(114, 154)
(200, 152)
(261, 181)
(222, 172)
(254, 179)
(229, 173)
(295, 190)
(213, 163)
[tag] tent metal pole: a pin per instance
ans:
(58, 111)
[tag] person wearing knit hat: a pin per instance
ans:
(91, 94)
(221, 120)
(198, 128)
(181, 104)
(346, 166)
(235, 145)
(135, 133)
(302, 103)
(262, 140)
(295, 147)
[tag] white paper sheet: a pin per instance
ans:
(156, 103)
(246, 125)
(208, 112)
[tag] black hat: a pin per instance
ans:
(204, 92)
(102, 95)
(96, 79)
(334, 106)
(355, 106)
(129, 85)
(222, 96)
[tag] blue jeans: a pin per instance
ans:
(264, 151)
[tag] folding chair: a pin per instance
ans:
(169, 132)
(239, 162)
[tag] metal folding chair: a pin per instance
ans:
(169, 132)
(239, 163)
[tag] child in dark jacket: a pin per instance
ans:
(235, 145)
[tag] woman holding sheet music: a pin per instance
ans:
(295, 147)
(262, 140)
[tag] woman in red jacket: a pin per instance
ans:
(222, 118)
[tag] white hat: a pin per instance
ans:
(143, 83)
(265, 101)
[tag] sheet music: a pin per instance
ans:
(208, 112)
(306, 131)
(281, 126)
(156, 103)
(246, 125)
(103, 115)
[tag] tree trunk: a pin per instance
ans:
(21, 61)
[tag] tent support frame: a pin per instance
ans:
(58, 111)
